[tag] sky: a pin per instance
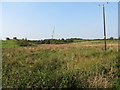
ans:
(119, 20)
(36, 20)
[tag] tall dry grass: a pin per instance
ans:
(60, 66)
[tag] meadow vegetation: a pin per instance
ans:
(83, 64)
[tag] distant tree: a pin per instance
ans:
(62, 39)
(26, 39)
(7, 38)
(111, 38)
(15, 38)
(42, 42)
(47, 41)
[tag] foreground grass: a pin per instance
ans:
(60, 66)
(9, 44)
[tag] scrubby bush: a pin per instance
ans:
(111, 38)
(23, 43)
(15, 38)
(7, 38)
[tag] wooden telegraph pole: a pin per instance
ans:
(104, 26)
(104, 23)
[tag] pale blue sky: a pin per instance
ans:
(35, 20)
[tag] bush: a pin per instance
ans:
(24, 43)
(111, 38)
(7, 38)
(15, 38)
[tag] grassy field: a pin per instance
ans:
(9, 44)
(82, 65)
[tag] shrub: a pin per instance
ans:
(15, 38)
(111, 38)
(7, 38)
(24, 43)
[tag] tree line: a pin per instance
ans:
(25, 42)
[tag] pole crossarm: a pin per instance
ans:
(103, 5)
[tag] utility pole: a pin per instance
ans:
(104, 23)
(52, 34)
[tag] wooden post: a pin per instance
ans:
(104, 27)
